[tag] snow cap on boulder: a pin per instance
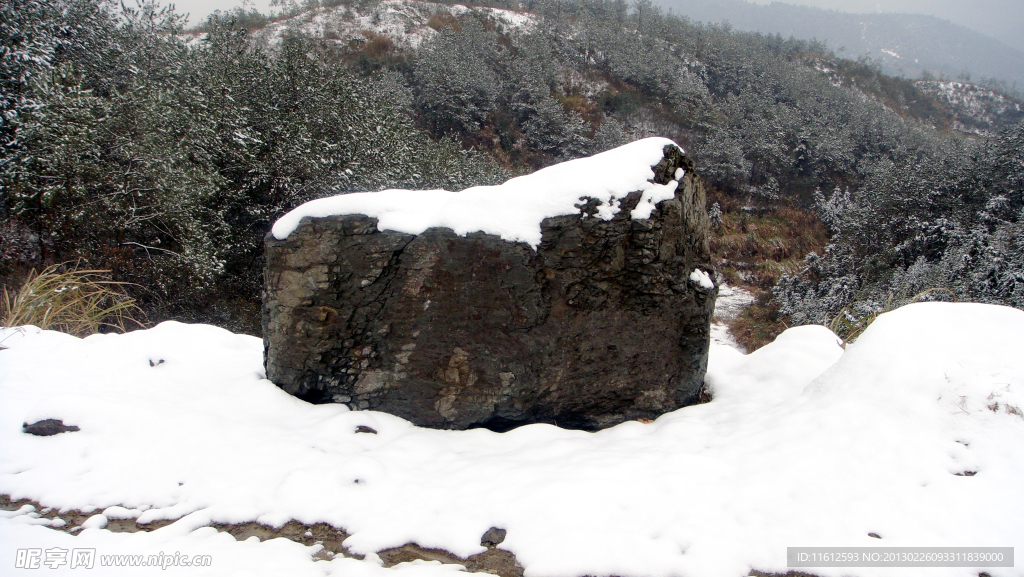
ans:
(513, 210)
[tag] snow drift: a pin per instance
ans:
(803, 445)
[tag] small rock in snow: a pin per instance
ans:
(365, 429)
(48, 427)
(493, 537)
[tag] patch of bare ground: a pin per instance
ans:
(329, 537)
(73, 518)
(494, 561)
(753, 246)
(759, 323)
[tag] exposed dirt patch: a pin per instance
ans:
(494, 561)
(754, 244)
(758, 324)
(74, 518)
(330, 537)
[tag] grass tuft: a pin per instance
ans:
(70, 300)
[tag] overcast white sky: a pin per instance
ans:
(1003, 19)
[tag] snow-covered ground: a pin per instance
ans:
(730, 303)
(804, 444)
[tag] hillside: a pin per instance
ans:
(238, 122)
(974, 109)
(902, 44)
(769, 121)
(404, 24)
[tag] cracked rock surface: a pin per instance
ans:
(599, 325)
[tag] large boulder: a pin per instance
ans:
(597, 314)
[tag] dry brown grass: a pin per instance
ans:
(439, 21)
(758, 245)
(758, 324)
(754, 247)
(578, 104)
(377, 45)
(71, 300)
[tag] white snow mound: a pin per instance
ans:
(804, 444)
(513, 210)
(702, 279)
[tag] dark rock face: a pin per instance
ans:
(600, 325)
(48, 427)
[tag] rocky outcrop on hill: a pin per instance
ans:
(607, 320)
